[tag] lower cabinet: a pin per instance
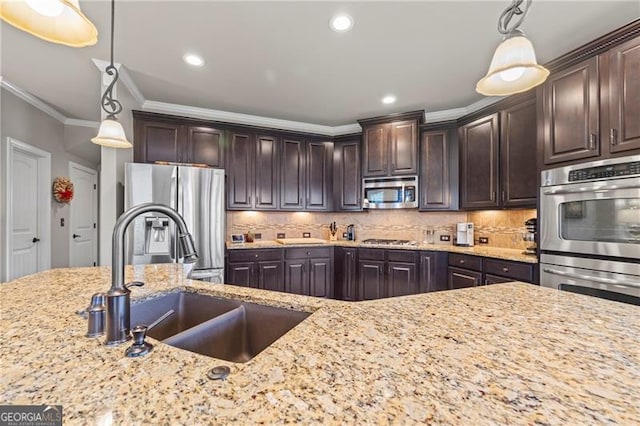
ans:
(470, 271)
(309, 271)
(433, 271)
(462, 278)
(386, 273)
(259, 268)
(346, 273)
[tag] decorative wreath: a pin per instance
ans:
(63, 189)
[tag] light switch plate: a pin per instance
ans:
(483, 240)
(306, 235)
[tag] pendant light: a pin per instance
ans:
(514, 68)
(111, 133)
(57, 21)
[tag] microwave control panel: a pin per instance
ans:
(603, 172)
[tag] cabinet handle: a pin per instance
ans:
(504, 195)
(613, 137)
(255, 255)
(461, 261)
(505, 269)
(592, 141)
(493, 195)
(249, 199)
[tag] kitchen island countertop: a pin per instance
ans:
(500, 354)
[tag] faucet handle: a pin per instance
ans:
(134, 284)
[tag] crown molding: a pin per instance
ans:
(455, 113)
(125, 79)
(81, 123)
(32, 100)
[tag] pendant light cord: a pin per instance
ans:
(110, 105)
(508, 14)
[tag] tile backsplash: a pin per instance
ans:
(503, 227)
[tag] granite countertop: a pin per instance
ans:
(501, 354)
(486, 251)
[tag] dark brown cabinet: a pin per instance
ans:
(479, 163)
(370, 279)
(570, 102)
(319, 176)
(624, 97)
(347, 184)
(260, 268)
(438, 170)
(433, 271)
(470, 271)
(266, 173)
(292, 174)
(166, 139)
(498, 158)
(345, 264)
(401, 279)
(509, 270)
(390, 145)
(463, 278)
(309, 271)
(386, 273)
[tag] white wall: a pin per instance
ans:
(23, 122)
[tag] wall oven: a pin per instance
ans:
(590, 228)
(399, 192)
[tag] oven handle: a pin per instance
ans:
(584, 189)
(591, 278)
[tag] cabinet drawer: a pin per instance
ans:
(307, 252)
(371, 254)
(243, 255)
(465, 261)
(503, 268)
(401, 256)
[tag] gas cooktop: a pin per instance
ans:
(383, 242)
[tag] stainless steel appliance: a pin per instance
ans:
(384, 242)
(464, 234)
(351, 233)
(198, 195)
(400, 192)
(590, 227)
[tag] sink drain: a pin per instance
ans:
(219, 373)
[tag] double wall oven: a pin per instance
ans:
(590, 229)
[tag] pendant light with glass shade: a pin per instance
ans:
(57, 21)
(514, 68)
(111, 133)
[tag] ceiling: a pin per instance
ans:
(281, 60)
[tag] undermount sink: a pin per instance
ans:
(221, 328)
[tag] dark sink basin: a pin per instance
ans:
(220, 328)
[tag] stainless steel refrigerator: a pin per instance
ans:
(198, 195)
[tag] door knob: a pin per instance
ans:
(35, 240)
(76, 236)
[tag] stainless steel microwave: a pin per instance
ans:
(399, 192)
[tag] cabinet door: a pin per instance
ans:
(266, 171)
(205, 146)
(494, 279)
(624, 97)
(432, 272)
(345, 274)
(296, 276)
(319, 178)
(434, 171)
(270, 276)
(292, 174)
(240, 171)
(157, 141)
(375, 150)
(241, 274)
(371, 279)
(320, 277)
(479, 163)
(348, 175)
(403, 140)
(401, 279)
(571, 113)
(462, 278)
(518, 155)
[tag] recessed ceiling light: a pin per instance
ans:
(193, 59)
(341, 23)
(389, 99)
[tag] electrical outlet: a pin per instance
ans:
(344, 235)
(445, 237)
(62, 221)
(280, 235)
(257, 236)
(306, 235)
(483, 240)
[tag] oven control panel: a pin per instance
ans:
(602, 172)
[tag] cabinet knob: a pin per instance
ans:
(308, 253)
(461, 260)
(255, 255)
(505, 269)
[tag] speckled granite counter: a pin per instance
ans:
(486, 251)
(500, 354)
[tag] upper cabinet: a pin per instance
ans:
(390, 144)
(591, 110)
(438, 169)
(347, 182)
(497, 157)
(319, 176)
(172, 139)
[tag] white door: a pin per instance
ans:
(28, 209)
(83, 216)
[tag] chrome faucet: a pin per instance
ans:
(118, 324)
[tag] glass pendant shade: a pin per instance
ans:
(111, 134)
(513, 69)
(57, 21)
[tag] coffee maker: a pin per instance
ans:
(464, 234)
(530, 236)
(351, 233)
